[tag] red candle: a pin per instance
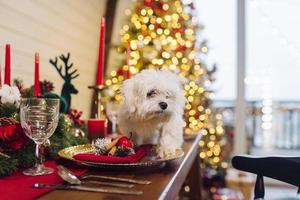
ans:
(128, 51)
(7, 65)
(37, 90)
(100, 72)
(97, 128)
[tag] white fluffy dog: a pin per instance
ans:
(152, 109)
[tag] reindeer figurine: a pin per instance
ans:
(68, 88)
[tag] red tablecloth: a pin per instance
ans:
(19, 186)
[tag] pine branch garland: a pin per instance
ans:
(28, 93)
(8, 110)
(7, 165)
(14, 157)
(26, 155)
(60, 141)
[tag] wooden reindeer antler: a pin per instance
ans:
(59, 69)
(68, 76)
(68, 88)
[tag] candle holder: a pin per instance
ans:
(98, 124)
(97, 103)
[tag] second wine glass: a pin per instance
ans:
(112, 110)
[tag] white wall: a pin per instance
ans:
(51, 28)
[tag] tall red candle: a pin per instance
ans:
(100, 72)
(7, 65)
(37, 90)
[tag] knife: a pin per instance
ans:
(143, 182)
(87, 189)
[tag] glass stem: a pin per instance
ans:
(114, 127)
(39, 156)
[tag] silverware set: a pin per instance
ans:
(117, 185)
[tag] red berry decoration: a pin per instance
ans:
(125, 142)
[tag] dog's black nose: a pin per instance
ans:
(163, 105)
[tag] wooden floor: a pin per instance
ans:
(274, 192)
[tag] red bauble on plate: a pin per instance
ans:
(125, 142)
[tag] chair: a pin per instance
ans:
(286, 169)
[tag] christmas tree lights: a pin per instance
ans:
(161, 34)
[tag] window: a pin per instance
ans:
(220, 18)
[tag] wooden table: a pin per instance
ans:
(166, 182)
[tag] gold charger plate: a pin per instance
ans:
(150, 160)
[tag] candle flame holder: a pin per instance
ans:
(97, 124)
(98, 90)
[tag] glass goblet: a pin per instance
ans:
(112, 109)
(39, 119)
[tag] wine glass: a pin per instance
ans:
(39, 119)
(112, 109)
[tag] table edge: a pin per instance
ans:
(192, 150)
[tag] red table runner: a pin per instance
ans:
(19, 186)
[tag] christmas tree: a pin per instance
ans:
(162, 34)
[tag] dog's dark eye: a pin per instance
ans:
(169, 95)
(151, 93)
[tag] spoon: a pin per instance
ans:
(71, 178)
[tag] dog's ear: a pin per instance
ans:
(128, 92)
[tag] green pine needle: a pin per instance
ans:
(7, 166)
(8, 110)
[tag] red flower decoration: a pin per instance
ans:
(75, 116)
(46, 86)
(12, 136)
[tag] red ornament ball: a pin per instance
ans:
(125, 142)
